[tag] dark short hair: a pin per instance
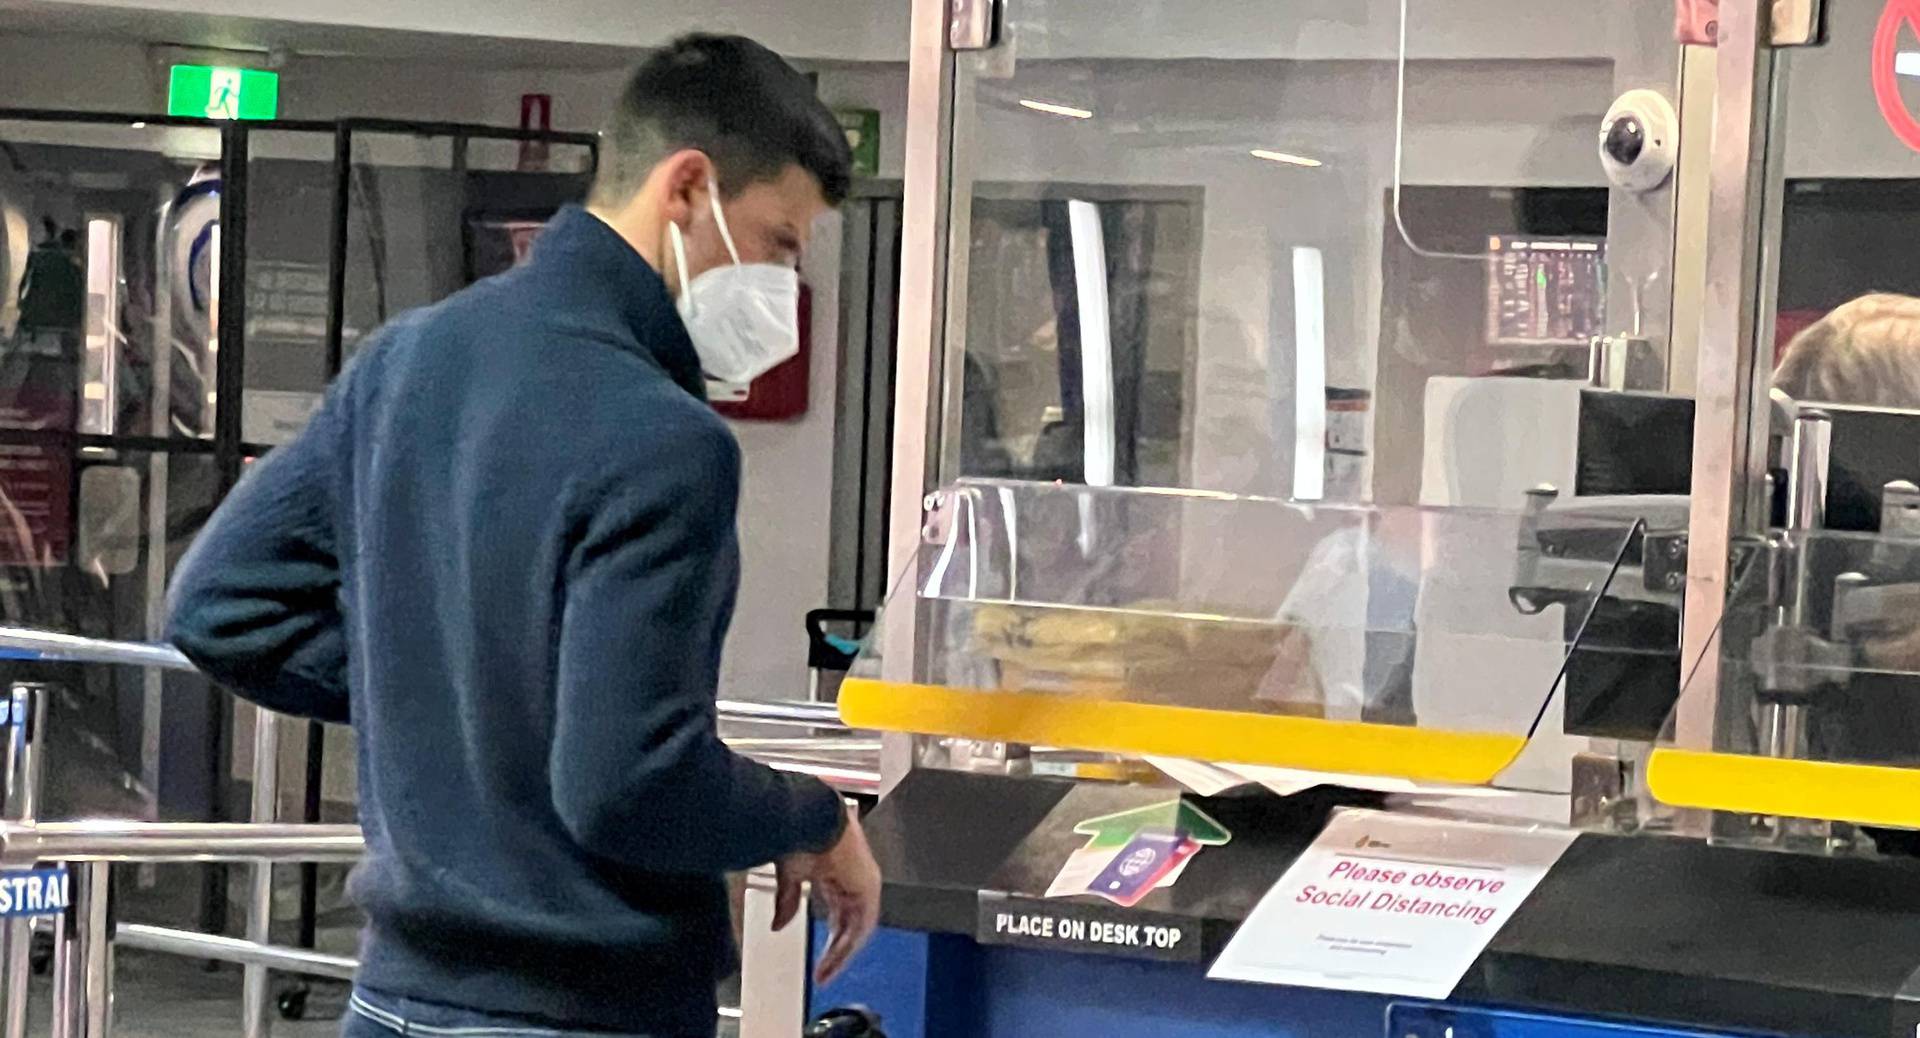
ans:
(740, 103)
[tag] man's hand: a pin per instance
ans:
(848, 880)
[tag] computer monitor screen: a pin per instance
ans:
(1634, 443)
(1871, 447)
(1545, 291)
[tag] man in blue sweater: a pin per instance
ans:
(504, 550)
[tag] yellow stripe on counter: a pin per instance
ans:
(1115, 726)
(1865, 794)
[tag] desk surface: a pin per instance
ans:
(1654, 928)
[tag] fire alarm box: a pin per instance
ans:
(780, 393)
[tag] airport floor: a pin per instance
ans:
(160, 996)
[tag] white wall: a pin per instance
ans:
(786, 506)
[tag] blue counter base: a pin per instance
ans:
(946, 986)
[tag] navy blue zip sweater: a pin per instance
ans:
(504, 548)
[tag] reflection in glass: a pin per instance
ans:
(290, 202)
(108, 246)
(185, 375)
(1302, 229)
(1080, 325)
(429, 215)
(98, 567)
(1442, 620)
(99, 387)
(1849, 616)
(1864, 352)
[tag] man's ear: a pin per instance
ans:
(684, 178)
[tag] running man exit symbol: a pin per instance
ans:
(223, 100)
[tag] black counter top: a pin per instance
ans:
(1653, 928)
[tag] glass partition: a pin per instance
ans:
(1424, 643)
(110, 254)
(1349, 252)
(108, 251)
(1848, 202)
(1804, 705)
(1211, 271)
(290, 213)
(1818, 700)
(116, 370)
(431, 212)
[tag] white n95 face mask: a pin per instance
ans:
(744, 319)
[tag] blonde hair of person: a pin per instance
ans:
(1865, 353)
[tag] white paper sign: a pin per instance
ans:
(1213, 779)
(1390, 904)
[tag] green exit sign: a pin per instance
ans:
(862, 127)
(215, 92)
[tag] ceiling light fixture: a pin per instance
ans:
(1281, 156)
(1053, 109)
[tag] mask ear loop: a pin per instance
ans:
(680, 266)
(720, 219)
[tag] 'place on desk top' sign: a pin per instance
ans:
(1390, 904)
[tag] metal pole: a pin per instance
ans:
(229, 381)
(842, 778)
(920, 333)
(1783, 723)
(72, 648)
(773, 965)
(255, 990)
(314, 797)
(94, 912)
(189, 945)
(159, 477)
(26, 716)
(1807, 479)
(83, 956)
(811, 715)
(162, 842)
(1731, 390)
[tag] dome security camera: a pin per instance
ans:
(1639, 141)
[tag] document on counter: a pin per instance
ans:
(1214, 779)
(1390, 904)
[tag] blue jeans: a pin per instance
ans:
(373, 1015)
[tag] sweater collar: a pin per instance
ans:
(605, 275)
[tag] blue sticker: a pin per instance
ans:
(32, 892)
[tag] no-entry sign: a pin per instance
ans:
(1900, 14)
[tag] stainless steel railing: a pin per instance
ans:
(72, 648)
(83, 965)
(801, 713)
(49, 645)
(113, 840)
(303, 961)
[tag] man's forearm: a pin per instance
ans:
(712, 811)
